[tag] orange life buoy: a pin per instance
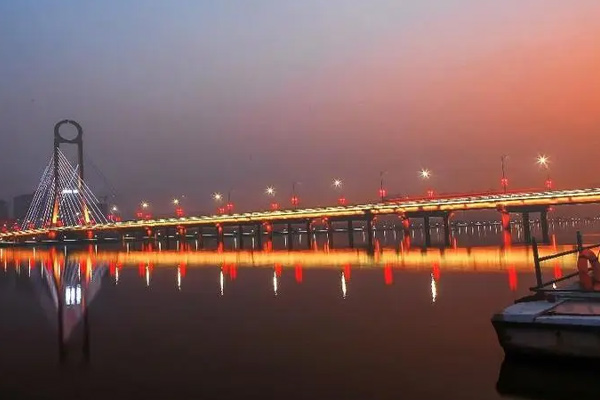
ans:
(588, 282)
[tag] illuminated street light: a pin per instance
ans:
(114, 209)
(178, 209)
(425, 174)
(382, 191)
(217, 197)
(504, 180)
(270, 191)
(294, 200)
(337, 184)
(143, 212)
(544, 162)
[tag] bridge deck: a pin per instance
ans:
(506, 201)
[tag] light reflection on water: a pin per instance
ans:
(330, 323)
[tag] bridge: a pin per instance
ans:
(65, 209)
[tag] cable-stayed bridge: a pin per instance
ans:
(64, 208)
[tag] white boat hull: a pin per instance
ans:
(533, 328)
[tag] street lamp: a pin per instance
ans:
(504, 180)
(178, 208)
(425, 174)
(294, 200)
(218, 198)
(270, 191)
(143, 211)
(382, 191)
(337, 184)
(112, 216)
(229, 204)
(544, 162)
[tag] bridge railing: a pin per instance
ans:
(451, 195)
(542, 286)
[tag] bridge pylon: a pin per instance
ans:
(62, 197)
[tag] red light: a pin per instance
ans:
(342, 201)
(430, 193)
(436, 271)
(557, 271)
(229, 207)
(549, 184)
(221, 210)
(179, 212)
(295, 200)
(382, 192)
(512, 278)
(298, 273)
(274, 206)
(388, 274)
(504, 181)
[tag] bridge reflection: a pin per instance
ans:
(509, 261)
(484, 259)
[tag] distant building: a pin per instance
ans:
(21, 206)
(3, 210)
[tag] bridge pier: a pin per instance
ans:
(544, 224)
(369, 228)
(350, 234)
(309, 238)
(220, 234)
(447, 233)
(269, 230)
(526, 227)
(258, 235)
(167, 238)
(426, 229)
(505, 218)
(405, 225)
(240, 236)
(200, 237)
(290, 244)
(329, 234)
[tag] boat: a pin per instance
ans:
(560, 318)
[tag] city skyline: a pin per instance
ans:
(197, 98)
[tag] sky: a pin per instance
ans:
(199, 96)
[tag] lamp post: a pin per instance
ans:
(425, 174)
(270, 191)
(544, 162)
(504, 180)
(382, 191)
(178, 209)
(229, 204)
(113, 215)
(143, 211)
(337, 185)
(218, 198)
(294, 199)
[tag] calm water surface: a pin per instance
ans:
(337, 324)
